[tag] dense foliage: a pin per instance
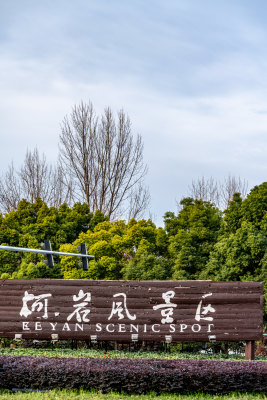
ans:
(133, 376)
(200, 242)
(30, 225)
(137, 250)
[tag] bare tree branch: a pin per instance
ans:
(100, 162)
(101, 158)
(206, 189)
(220, 194)
(10, 191)
(230, 186)
(35, 176)
(139, 201)
(35, 179)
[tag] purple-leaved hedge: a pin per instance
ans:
(133, 375)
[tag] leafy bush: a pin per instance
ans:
(261, 349)
(133, 376)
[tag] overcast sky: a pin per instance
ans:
(191, 74)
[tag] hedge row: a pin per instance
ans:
(133, 376)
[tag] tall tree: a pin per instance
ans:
(240, 252)
(218, 193)
(103, 160)
(254, 207)
(230, 186)
(10, 190)
(192, 236)
(206, 189)
(36, 176)
(34, 179)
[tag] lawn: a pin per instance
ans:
(83, 395)
(90, 353)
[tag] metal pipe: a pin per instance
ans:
(59, 253)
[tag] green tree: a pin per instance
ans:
(145, 266)
(37, 270)
(240, 252)
(197, 227)
(241, 248)
(254, 207)
(32, 223)
(238, 256)
(233, 215)
(115, 245)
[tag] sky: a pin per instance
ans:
(191, 75)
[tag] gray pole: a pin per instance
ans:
(45, 252)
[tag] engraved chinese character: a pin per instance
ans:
(202, 310)
(80, 311)
(38, 303)
(119, 307)
(167, 308)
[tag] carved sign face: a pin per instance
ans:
(117, 310)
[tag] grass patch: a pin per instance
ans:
(90, 353)
(85, 395)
